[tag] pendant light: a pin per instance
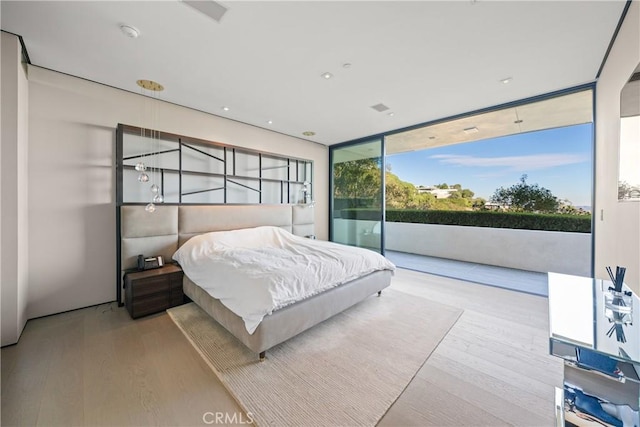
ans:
(151, 89)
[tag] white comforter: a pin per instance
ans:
(255, 271)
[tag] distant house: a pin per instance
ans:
(440, 193)
(495, 206)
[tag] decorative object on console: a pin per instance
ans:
(619, 320)
(618, 304)
(618, 279)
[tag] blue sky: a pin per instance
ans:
(557, 159)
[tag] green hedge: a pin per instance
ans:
(340, 204)
(518, 220)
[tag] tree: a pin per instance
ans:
(398, 193)
(443, 186)
(421, 201)
(357, 179)
(467, 194)
(526, 197)
(457, 186)
(452, 204)
(479, 203)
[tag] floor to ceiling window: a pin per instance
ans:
(357, 194)
(542, 145)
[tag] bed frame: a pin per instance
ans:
(165, 230)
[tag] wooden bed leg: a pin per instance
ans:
(379, 293)
(262, 355)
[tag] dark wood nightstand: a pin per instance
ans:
(151, 291)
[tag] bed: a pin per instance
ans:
(167, 230)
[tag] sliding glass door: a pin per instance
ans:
(357, 194)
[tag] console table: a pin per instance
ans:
(598, 337)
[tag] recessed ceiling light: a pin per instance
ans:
(506, 80)
(346, 65)
(326, 75)
(517, 121)
(391, 114)
(225, 108)
(308, 133)
(432, 137)
(269, 122)
(129, 31)
(471, 130)
(150, 85)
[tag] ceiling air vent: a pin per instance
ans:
(210, 8)
(380, 107)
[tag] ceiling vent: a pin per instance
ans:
(380, 107)
(212, 9)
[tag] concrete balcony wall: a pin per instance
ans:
(532, 250)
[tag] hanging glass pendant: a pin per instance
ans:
(143, 177)
(158, 198)
(150, 208)
(140, 167)
(154, 189)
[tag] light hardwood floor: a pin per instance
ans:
(96, 366)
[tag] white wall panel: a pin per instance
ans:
(72, 180)
(14, 228)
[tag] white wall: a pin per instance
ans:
(531, 250)
(71, 181)
(14, 191)
(617, 233)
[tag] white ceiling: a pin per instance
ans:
(425, 60)
(567, 110)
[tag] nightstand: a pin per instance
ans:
(151, 291)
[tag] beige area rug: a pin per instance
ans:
(345, 371)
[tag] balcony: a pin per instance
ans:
(530, 250)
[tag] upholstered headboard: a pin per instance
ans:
(165, 230)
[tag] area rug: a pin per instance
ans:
(346, 371)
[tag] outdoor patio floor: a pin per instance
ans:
(518, 280)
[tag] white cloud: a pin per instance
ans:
(514, 163)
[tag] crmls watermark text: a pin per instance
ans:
(227, 418)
